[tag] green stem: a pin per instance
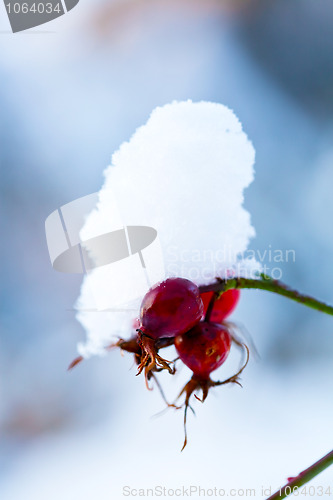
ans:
(270, 285)
(304, 477)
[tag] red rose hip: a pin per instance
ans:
(223, 306)
(171, 307)
(204, 348)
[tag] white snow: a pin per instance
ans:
(182, 173)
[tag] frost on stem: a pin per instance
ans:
(182, 173)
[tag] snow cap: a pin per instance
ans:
(183, 173)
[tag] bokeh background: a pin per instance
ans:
(70, 93)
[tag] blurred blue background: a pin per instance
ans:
(70, 93)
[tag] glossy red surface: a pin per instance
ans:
(204, 348)
(223, 306)
(171, 307)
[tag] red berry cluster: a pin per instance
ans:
(174, 312)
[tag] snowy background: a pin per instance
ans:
(70, 93)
